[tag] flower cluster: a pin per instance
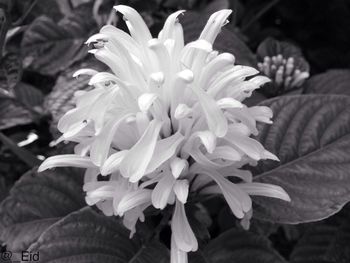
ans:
(283, 71)
(165, 123)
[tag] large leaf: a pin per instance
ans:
(335, 81)
(86, 236)
(237, 246)
(35, 202)
(311, 136)
(227, 41)
(51, 47)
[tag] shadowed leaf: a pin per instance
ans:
(35, 202)
(86, 236)
(237, 246)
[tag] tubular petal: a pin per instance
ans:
(169, 26)
(135, 163)
(214, 24)
(238, 200)
(132, 200)
(262, 189)
(164, 150)
(101, 145)
(177, 255)
(181, 190)
(112, 164)
(66, 160)
(215, 118)
(181, 229)
(162, 191)
(84, 71)
(137, 27)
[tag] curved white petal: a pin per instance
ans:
(101, 146)
(135, 163)
(219, 63)
(164, 150)
(85, 71)
(133, 199)
(161, 193)
(137, 27)
(262, 189)
(225, 152)
(99, 194)
(238, 200)
(249, 146)
(169, 26)
(225, 103)
(66, 160)
(113, 162)
(214, 24)
(216, 120)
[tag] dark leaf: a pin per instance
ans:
(5, 22)
(326, 241)
(339, 249)
(200, 221)
(35, 202)
(29, 96)
(3, 188)
(86, 236)
(23, 154)
(335, 81)
(216, 5)
(10, 74)
(25, 11)
(311, 137)
(237, 246)
(49, 47)
(313, 247)
(13, 114)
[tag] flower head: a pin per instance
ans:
(165, 122)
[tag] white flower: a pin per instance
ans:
(167, 121)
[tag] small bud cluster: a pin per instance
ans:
(283, 72)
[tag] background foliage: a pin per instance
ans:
(42, 44)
